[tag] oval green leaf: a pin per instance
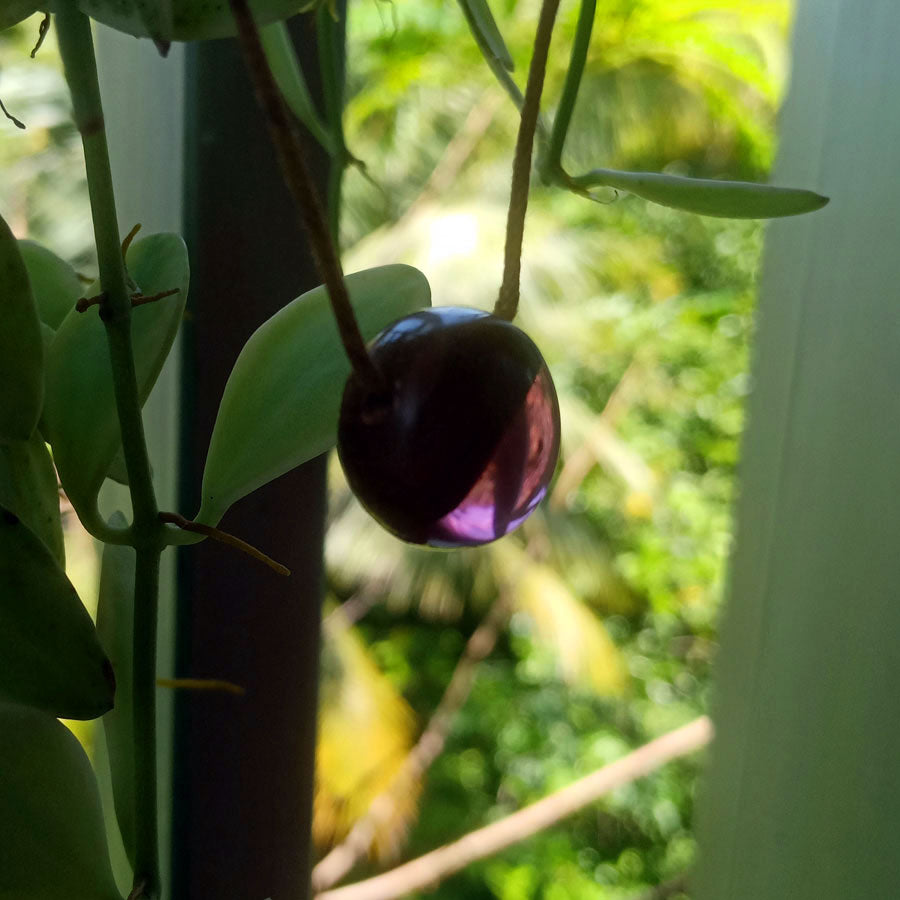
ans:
(288, 75)
(52, 658)
(280, 405)
(14, 11)
(21, 345)
(28, 489)
(115, 622)
(725, 199)
(80, 411)
(190, 20)
(52, 839)
(54, 284)
(482, 21)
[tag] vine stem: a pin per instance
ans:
(290, 152)
(551, 163)
(146, 534)
(508, 299)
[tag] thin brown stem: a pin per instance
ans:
(201, 684)
(223, 537)
(429, 870)
(508, 299)
(341, 859)
(43, 28)
(291, 158)
(85, 303)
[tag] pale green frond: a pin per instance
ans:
(366, 730)
(586, 656)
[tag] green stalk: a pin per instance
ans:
(551, 159)
(330, 37)
(77, 51)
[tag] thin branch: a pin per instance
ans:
(434, 867)
(508, 300)
(223, 537)
(291, 158)
(341, 859)
(584, 458)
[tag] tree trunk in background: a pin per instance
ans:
(803, 796)
(244, 764)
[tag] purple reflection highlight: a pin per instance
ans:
(515, 479)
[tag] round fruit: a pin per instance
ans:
(460, 445)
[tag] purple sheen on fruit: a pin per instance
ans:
(460, 448)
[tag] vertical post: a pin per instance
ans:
(802, 800)
(243, 782)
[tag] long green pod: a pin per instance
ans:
(285, 67)
(115, 624)
(54, 284)
(28, 489)
(188, 20)
(21, 345)
(52, 839)
(80, 410)
(479, 16)
(727, 199)
(52, 657)
(280, 405)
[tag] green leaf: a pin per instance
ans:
(28, 489)
(190, 19)
(726, 199)
(52, 658)
(280, 405)
(481, 20)
(283, 62)
(14, 11)
(80, 411)
(52, 840)
(21, 345)
(115, 623)
(54, 284)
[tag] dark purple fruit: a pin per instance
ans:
(460, 445)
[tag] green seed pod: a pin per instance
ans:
(182, 20)
(52, 658)
(21, 346)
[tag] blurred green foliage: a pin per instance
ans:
(645, 318)
(43, 192)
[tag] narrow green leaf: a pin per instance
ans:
(52, 840)
(115, 623)
(52, 658)
(28, 489)
(726, 199)
(54, 284)
(191, 19)
(80, 412)
(14, 11)
(481, 19)
(21, 345)
(280, 405)
(289, 76)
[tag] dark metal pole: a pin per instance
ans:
(244, 765)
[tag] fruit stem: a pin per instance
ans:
(550, 165)
(508, 299)
(290, 153)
